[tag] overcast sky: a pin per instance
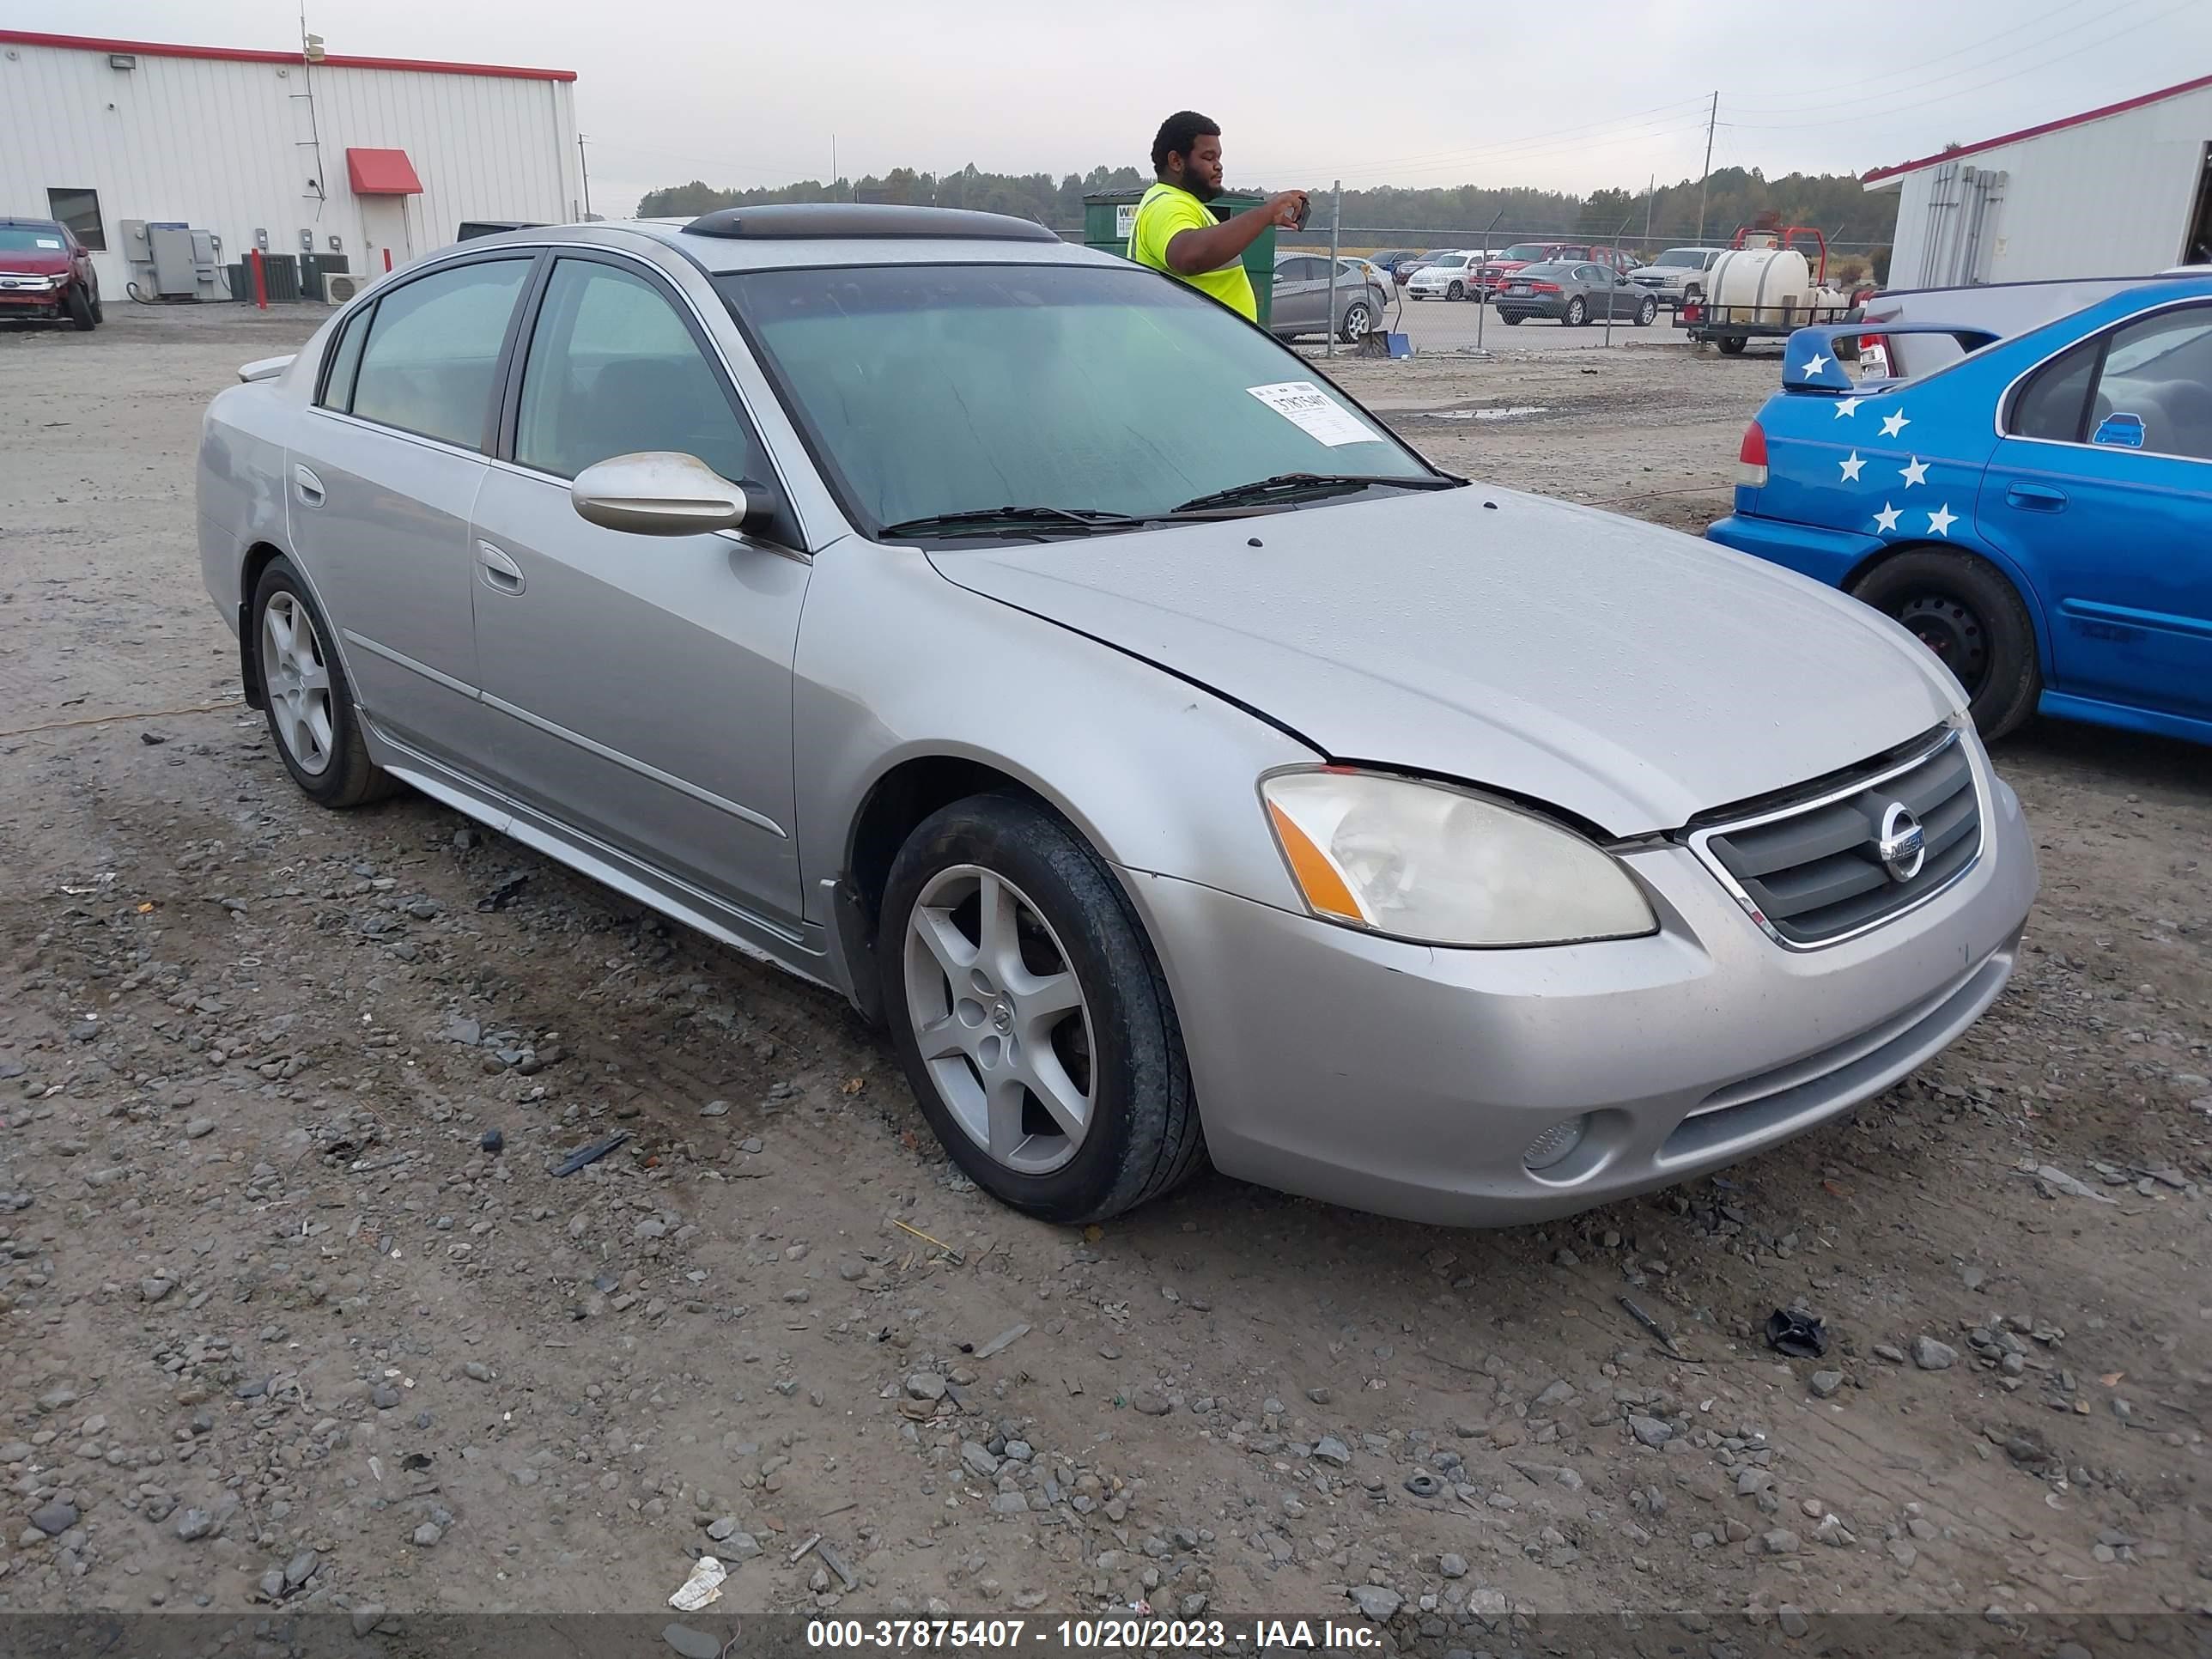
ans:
(1414, 92)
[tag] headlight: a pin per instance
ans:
(1422, 861)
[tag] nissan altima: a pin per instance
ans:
(1175, 764)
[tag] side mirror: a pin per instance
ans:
(660, 493)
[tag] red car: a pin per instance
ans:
(1501, 265)
(46, 272)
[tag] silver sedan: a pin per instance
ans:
(1174, 764)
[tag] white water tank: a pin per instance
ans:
(1760, 285)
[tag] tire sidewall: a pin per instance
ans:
(1456, 292)
(2014, 683)
(331, 783)
(80, 307)
(1571, 319)
(1646, 313)
(1136, 1045)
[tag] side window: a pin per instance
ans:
(2154, 391)
(433, 349)
(612, 370)
(345, 360)
(2052, 403)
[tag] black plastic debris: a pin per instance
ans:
(591, 1154)
(1800, 1336)
(493, 1141)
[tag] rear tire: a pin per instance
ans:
(1120, 1049)
(306, 697)
(1512, 318)
(80, 312)
(1972, 620)
(1731, 345)
(1578, 313)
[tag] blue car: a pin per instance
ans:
(2039, 512)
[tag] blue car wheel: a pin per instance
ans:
(1964, 611)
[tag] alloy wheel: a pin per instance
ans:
(1000, 1018)
(296, 677)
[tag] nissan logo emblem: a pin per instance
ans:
(1902, 848)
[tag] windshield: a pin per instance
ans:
(27, 239)
(928, 390)
(1682, 258)
(1525, 251)
(1449, 261)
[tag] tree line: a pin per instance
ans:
(1733, 195)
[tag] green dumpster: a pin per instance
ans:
(1108, 215)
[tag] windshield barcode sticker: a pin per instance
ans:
(1314, 412)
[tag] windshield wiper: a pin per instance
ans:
(1294, 483)
(1013, 521)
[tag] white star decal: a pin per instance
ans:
(1894, 424)
(1849, 406)
(1851, 467)
(1915, 472)
(1886, 519)
(1940, 520)
(1816, 363)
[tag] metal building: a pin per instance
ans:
(2123, 191)
(370, 161)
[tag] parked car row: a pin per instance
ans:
(1572, 293)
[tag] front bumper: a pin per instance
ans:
(1407, 1081)
(31, 302)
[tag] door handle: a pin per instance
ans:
(2036, 498)
(309, 486)
(501, 574)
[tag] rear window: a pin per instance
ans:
(1525, 251)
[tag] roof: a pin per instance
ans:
(2120, 108)
(720, 254)
(246, 55)
(381, 173)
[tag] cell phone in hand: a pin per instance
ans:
(1305, 207)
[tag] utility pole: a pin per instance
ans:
(584, 162)
(1336, 225)
(1712, 121)
(1650, 190)
(833, 167)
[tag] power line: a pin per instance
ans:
(2021, 27)
(1279, 169)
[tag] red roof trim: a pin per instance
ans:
(2037, 132)
(246, 55)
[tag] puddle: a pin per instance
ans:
(1513, 413)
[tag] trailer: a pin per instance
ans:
(1764, 288)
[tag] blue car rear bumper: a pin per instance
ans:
(1826, 556)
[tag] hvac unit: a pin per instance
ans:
(338, 286)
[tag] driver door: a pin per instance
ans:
(639, 686)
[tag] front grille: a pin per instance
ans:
(1812, 872)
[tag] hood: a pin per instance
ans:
(33, 261)
(1632, 676)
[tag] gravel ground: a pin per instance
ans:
(293, 1309)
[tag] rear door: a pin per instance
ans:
(639, 686)
(382, 478)
(1294, 309)
(2102, 488)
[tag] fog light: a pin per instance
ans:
(1555, 1144)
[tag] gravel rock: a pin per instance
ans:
(272, 1584)
(1794, 1623)
(1933, 1356)
(1650, 1430)
(1825, 1384)
(692, 1643)
(1895, 1356)
(1780, 1541)
(428, 1534)
(1377, 1603)
(979, 1459)
(199, 1128)
(1151, 1404)
(925, 1385)
(1452, 1566)
(366, 1617)
(301, 1568)
(476, 1370)
(154, 1289)
(384, 1397)
(55, 1519)
(1329, 1449)
(194, 1524)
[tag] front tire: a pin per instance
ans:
(306, 698)
(80, 312)
(1030, 1014)
(1966, 613)
(1457, 291)
(1356, 320)
(1646, 312)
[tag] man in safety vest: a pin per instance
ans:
(1176, 232)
